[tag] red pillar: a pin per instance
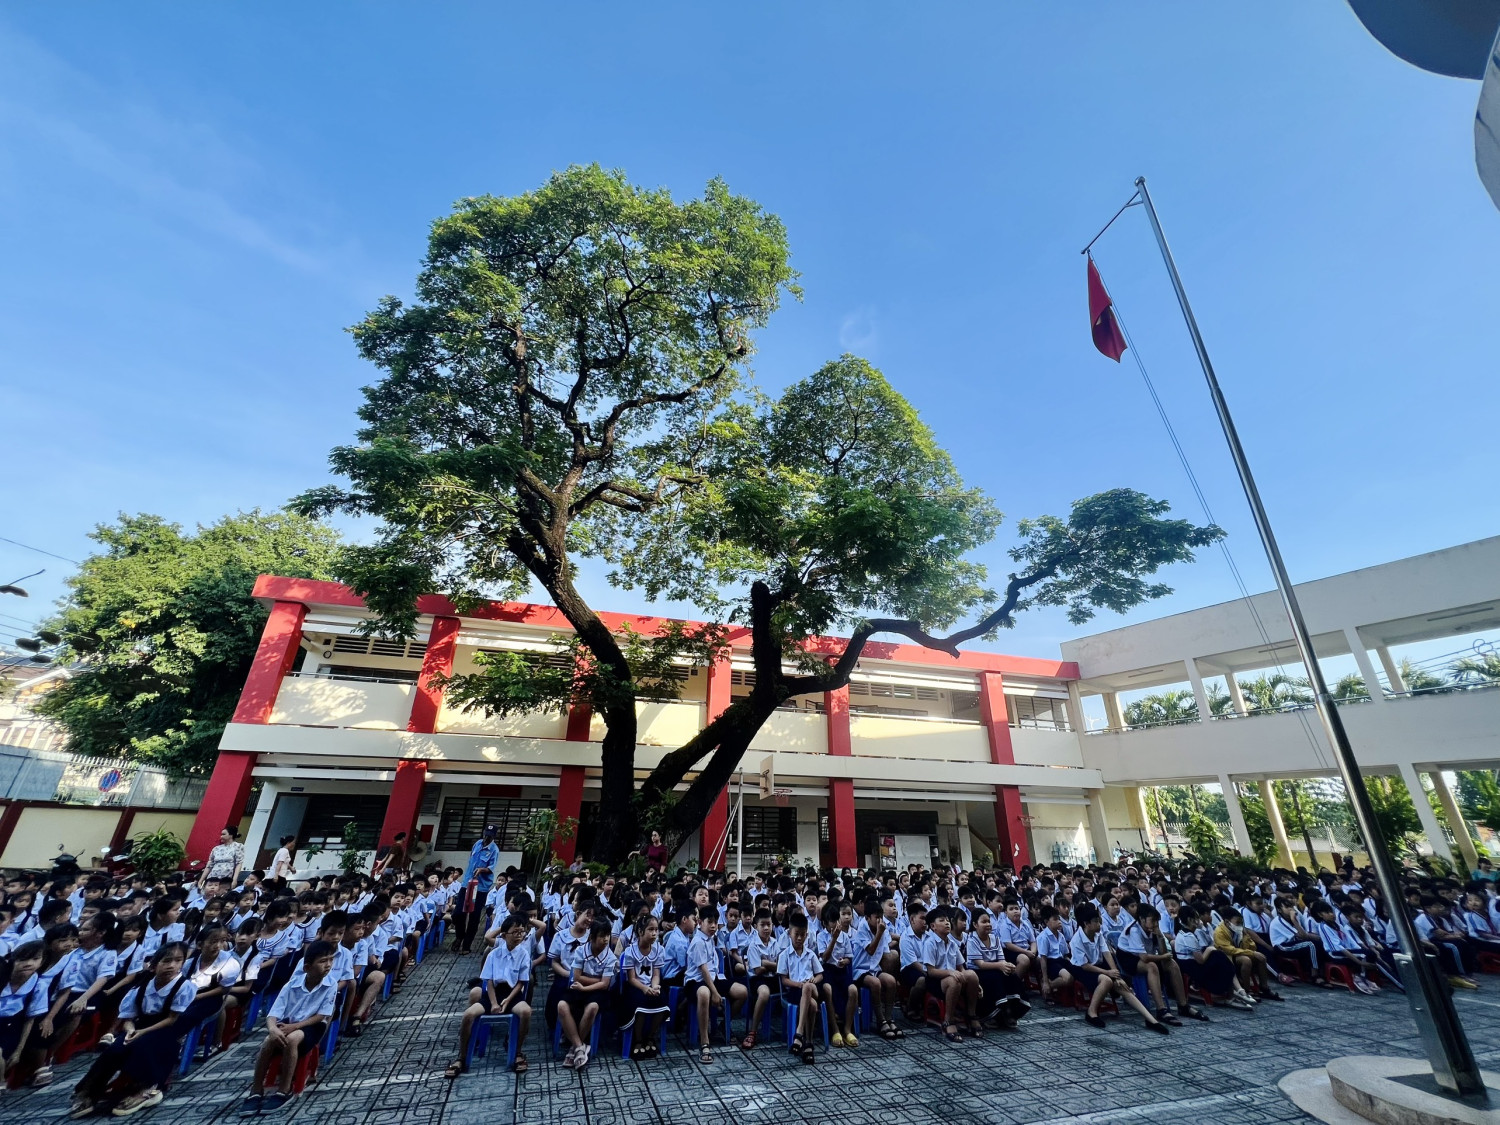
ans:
(229, 784)
(569, 804)
(842, 838)
(1010, 828)
(279, 642)
(427, 701)
(223, 803)
(711, 836)
(122, 833)
(405, 801)
(8, 821)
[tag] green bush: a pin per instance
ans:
(1203, 837)
(157, 854)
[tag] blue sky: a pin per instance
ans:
(196, 201)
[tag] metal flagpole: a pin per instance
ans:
(1427, 992)
(739, 842)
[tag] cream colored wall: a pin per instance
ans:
(894, 737)
(1066, 825)
(535, 724)
(312, 701)
(43, 832)
(177, 823)
(659, 724)
(799, 732)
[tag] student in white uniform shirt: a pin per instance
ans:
(501, 989)
(801, 975)
(588, 983)
(1093, 965)
(295, 1024)
(871, 938)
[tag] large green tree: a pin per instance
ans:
(569, 385)
(164, 627)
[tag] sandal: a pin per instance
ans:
(357, 1028)
(748, 1042)
(81, 1107)
(522, 1065)
(797, 1045)
(42, 1077)
(951, 1034)
(455, 1069)
(705, 1056)
(808, 1054)
(976, 1029)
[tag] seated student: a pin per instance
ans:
(23, 1000)
(801, 975)
(1290, 940)
(1256, 918)
(1477, 922)
(588, 983)
(644, 1003)
(369, 955)
(1336, 946)
(301, 1011)
(84, 976)
(1144, 949)
(1359, 937)
(762, 953)
(1436, 928)
(834, 945)
(1052, 949)
(1018, 940)
(680, 927)
(944, 959)
(871, 939)
(914, 963)
(565, 944)
(501, 988)
(999, 986)
(213, 971)
(703, 986)
(1093, 966)
(1238, 944)
(145, 1057)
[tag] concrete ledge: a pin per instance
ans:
(1387, 1090)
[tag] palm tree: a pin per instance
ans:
(1351, 687)
(1171, 706)
(1275, 691)
(1420, 679)
(1480, 669)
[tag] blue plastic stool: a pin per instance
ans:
(865, 1018)
(627, 1036)
(557, 1035)
(479, 1038)
(789, 1021)
(189, 1048)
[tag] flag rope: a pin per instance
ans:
(1133, 201)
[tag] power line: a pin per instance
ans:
(38, 550)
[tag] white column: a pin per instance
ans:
(260, 820)
(1075, 707)
(1278, 826)
(1236, 817)
(1099, 827)
(1112, 713)
(1430, 825)
(965, 844)
(1236, 696)
(1200, 693)
(1392, 670)
(1366, 666)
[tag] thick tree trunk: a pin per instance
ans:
(617, 827)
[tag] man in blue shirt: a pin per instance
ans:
(478, 879)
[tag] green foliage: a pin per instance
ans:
(514, 683)
(1203, 837)
(352, 859)
(1350, 687)
(1481, 669)
(157, 854)
(1479, 797)
(838, 497)
(1275, 691)
(537, 837)
(1422, 680)
(1174, 706)
(1258, 825)
(1099, 558)
(1394, 812)
(165, 626)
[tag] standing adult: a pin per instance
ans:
(656, 853)
(281, 863)
(478, 879)
(396, 858)
(226, 859)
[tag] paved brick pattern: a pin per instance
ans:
(1054, 1069)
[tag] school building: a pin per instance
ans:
(922, 757)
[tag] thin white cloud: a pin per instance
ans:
(180, 170)
(859, 331)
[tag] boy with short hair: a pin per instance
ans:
(298, 1016)
(502, 989)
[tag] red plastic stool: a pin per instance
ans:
(232, 1024)
(84, 1036)
(1339, 974)
(934, 1011)
(307, 1069)
(1489, 962)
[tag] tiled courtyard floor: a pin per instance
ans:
(1054, 1069)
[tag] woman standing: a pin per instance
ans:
(656, 853)
(281, 864)
(225, 861)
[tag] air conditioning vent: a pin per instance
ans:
(360, 645)
(383, 646)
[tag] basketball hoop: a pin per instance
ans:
(783, 797)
